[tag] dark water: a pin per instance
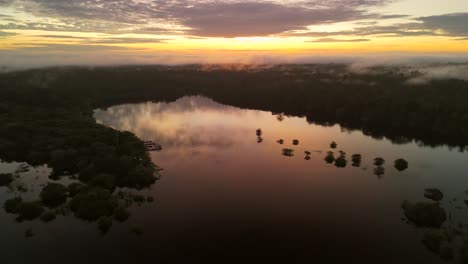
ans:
(224, 197)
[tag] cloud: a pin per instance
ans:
(216, 18)
(440, 72)
(6, 34)
(257, 18)
(338, 40)
(448, 25)
(451, 24)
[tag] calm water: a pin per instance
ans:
(223, 196)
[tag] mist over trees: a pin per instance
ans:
(379, 101)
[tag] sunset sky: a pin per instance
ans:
(187, 31)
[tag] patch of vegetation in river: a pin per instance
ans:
(442, 225)
(40, 126)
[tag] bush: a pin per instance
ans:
(330, 158)
(424, 214)
(401, 164)
(12, 206)
(288, 152)
(105, 181)
(333, 145)
(75, 188)
(30, 210)
(6, 179)
(379, 161)
(433, 194)
(53, 194)
(341, 161)
(93, 203)
(356, 159)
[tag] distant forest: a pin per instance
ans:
(378, 101)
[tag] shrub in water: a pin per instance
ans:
(379, 161)
(6, 179)
(93, 203)
(12, 206)
(330, 158)
(401, 164)
(30, 211)
(53, 194)
(356, 159)
(433, 194)
(424, 214)
(75, 188)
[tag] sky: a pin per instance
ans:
(48, 32)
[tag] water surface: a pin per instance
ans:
(223, 196)
(222, 192)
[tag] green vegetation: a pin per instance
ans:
(280, 141)
(356, 159)
(330, 158)
(341, 161)
(379, 161)
(333, 145)
(325, 94)
(288, 152)
(93, 203)
(401, 164)
(433, 194)
(295, 142)
(29, 211)
(53, 195)
(259, 132)
(12, 206)
(424, 214)
(75, 188)
(6, 179)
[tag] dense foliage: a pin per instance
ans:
(379, 101)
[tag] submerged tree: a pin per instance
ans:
(259, 132)
(379, 161)
(356, 159)
(288, 152)
(330, 158)
(433, 194)
(401, 164)
(54, 194)
(341, 161)
(6, 179)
